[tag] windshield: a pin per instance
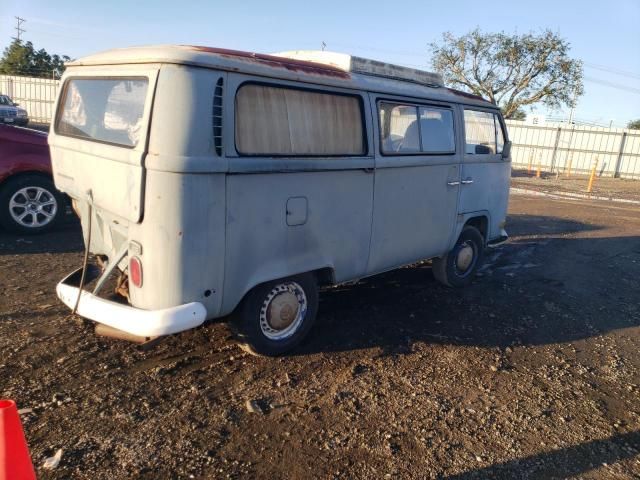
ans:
(4, 100)
(103, 110)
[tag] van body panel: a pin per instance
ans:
(114, 175)
(487, 192)
(485, 182)
(262, 247)
(415, 201)
(183, 241)
(180, 138)
(414, 214)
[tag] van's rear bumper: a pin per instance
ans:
(143, 323)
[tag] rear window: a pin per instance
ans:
(103, 110)
(292, 122)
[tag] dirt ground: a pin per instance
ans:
(603, 187)
(532, 372)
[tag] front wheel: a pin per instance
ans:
(30, 204)
(458, 267)
(274, 317)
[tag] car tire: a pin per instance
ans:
(30, 204)
(458, 267)
(274, 317)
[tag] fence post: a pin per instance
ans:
(555, 149)
(616, 171)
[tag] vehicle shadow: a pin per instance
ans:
(562, 463)
(65, 238)
(539, 288)
(523, 225)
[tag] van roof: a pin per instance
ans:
(277, 67)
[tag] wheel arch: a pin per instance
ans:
(24, 173)
(480, 220)
(232, 297)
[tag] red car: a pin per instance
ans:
(29, 202)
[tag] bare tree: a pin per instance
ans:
(511, 71)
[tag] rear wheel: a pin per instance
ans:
(458, 267)
(30, 204)
(274, 317)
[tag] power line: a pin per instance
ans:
(612, 85)
(615, 71)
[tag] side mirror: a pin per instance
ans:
(15, 104)
(506, 150)
(483, 150)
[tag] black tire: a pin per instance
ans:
(446, 269)
(252, 323)
(50, 202)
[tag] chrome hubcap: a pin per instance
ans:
(283, 311)
(33, 207)
(465, 258)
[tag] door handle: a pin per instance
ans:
(467, 181)
(453, 184)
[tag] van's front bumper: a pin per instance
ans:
(499, 240)
(142, 323)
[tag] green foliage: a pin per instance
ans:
(21, 58)
(510, 70)
(634, 124)
(519, 114)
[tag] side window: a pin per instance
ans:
(436, 128)
(287, 121)
(407, 129)
(400, 132)
(480, 132)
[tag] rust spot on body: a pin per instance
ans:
(277, 62)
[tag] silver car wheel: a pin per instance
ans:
(283, 311)
(33, 207)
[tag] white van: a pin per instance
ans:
(217, 182)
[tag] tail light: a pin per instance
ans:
(135, 271)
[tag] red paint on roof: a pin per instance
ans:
(277, 62)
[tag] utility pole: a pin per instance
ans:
(573, 105)
(19, 29)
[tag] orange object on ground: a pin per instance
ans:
(538, 171)
(15, 462)
(591, 178)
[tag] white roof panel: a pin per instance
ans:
(365, 66)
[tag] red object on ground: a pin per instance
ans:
(15, 462)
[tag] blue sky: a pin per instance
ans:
(605, 35)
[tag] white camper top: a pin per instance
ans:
(365, 66)
(319, 67)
